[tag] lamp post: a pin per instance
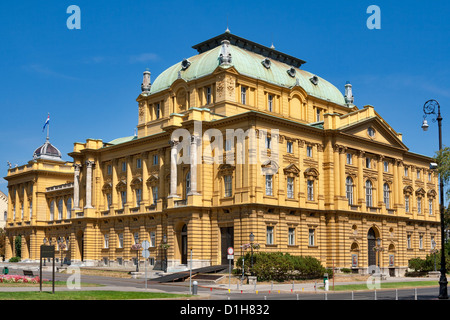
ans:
(252, 238)
(430, 108)
(165, 252)
(61, 246)
(45, 243)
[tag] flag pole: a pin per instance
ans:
(48, 126)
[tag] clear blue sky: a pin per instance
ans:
(88, 79)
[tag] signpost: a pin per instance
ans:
(47, 252)
(145, 255)
(230, 256)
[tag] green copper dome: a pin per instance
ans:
(250, 64)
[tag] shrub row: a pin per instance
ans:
(277, 266)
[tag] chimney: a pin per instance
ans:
(146, 85)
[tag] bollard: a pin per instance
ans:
(194, 287)
(297, 296)
(375, 291)
(415, 293)
(326, 297)
(396, 294)
(326, 285)
(353, 297)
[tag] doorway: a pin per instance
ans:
(371, 238)
(184, 245)
(227, 240)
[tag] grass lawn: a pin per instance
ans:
(384, 285)
(87, 295)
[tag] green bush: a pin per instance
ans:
(346, 270)
(427, 264)
(277, 266)
(14, 259)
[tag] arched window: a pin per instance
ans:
(386, 193)
(369, 189)
(60, 209)
(52, 210)
(349, 189)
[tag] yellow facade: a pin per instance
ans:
(342, 176)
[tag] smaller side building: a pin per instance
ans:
(3, 209)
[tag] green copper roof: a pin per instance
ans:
(122, 140)
(248, 63)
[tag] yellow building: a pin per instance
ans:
(302, 169)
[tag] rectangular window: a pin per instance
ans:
(138, 163)
(123, 195)
(270, 102)
(269, 234)
(269, 187)
(138, 197)
(289, 147)
(317, 115)
(108, 200)
(311, 237)
(155, 160)
(106, 241)
(208, 95)
(243, 95)
(109, 169)
(408, 241)
(60, 209)
(69, 208)
(386, 166)
(155, 194)
(406, 172)
(228, 186)
(268, 142)
(228, 145)
(152, 239)
(421, 241)
(418, 174)
(31, 210)
(419, 205)
(406, 203)
(430, 206)
(52, 210)
(349, 158)
(290, 187)
(124, 166)
(429, 176)
(310, 190)
(309, 151)
(291, 236)
(136, 237)
(120, 240)
(368, 163)
(158, 111)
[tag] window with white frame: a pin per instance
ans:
(60, 209)
(406, 172)
(120, 240)
(106, 241)
(155, 194)
(208, 95)
(152, 239)
(108, 200)
(291, 236)
(430, 206)
(406, 203)
(136, 237)
(158, 111)
(311, 237)
(349, 158)
(408, 241)
(368, 163)
(269, 185)
(243, 95)
(155, 160)
(269, 235)
(290, 187)
(124, 166)
(419, 204)
(31, 209)
(228, 187)
(108, 169)
(69, 208)
(138, 197)
(421, 241)
(123, 195)
(349, 190)
(310, 190)
(418, 174)
(386, 195)
(52, 210)
(369, 190)
(268, 142)
(309, 152)
(270, 102)
(317, 115)
(138, 163)
(289, 147)
(386, 166)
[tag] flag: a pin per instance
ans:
(46, 122)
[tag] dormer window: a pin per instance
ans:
(266, 63)
(291, 72)
(314, 80)
(185, 64)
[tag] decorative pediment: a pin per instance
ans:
(291, 170)
(121, 184)
(269, 167)
(420, 192)
(136, 181)
(107, 186)
(225, 169)
(153, 178)
(311, 173)
(432, 193)
(408, 190)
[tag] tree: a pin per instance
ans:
(18, 246)
(2, 242)
(443, 161)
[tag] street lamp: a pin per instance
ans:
(430, 108)
(433, 250)
(165, 252)
(252, 238)
(61, 246)
(45, 243)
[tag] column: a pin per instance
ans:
(193, 161)
(76, 187)
(173, 169)
(144, 157)
(89, 165)
(129, 202)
